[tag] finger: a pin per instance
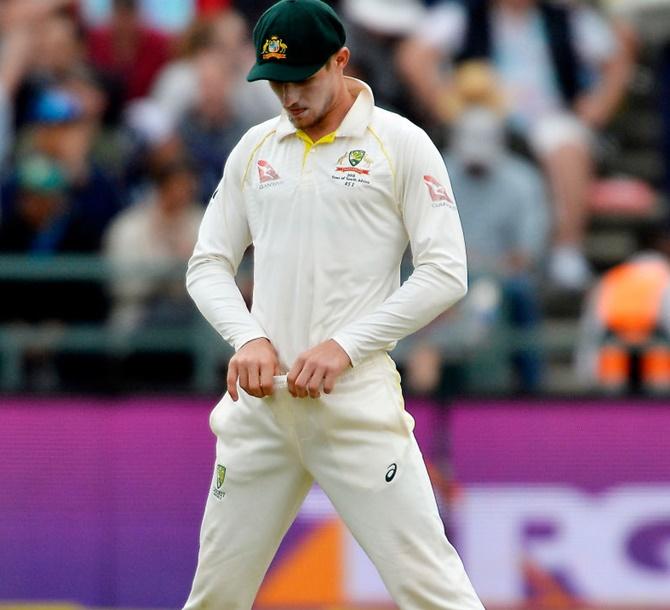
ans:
(314, 385)
(296, 369)
(267, 385)
(254, 381)
(243, 376)
(329, 382)
(303, 379)
(231, 380)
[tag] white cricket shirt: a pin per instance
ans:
(329, 222)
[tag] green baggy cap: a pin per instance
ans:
(294, 39)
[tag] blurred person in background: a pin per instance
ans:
(211, 128)
(152, 142)
(39, 220)
(564, 73)
(148, 246)
(624, 340)
(64, 128)
(222, 36)
(24, 31)
(15, 48)
(63, 133)
(128, 51)
(158, 233)
(504, 209)
(502, 203)
(57, 51)
(41, 223)
(375, 30)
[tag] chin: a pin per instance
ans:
(301, 122)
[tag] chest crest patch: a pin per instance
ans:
(353, 168)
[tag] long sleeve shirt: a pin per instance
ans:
(329, 221)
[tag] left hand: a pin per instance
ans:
(316, 368)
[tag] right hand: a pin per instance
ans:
(254, 365)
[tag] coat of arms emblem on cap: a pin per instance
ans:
(274, 48)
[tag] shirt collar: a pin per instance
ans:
(356, 120)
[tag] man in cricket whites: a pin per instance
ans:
(330, 194)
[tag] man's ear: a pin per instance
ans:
(341, 58)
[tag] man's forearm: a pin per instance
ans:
(430, 290)
(211, 284)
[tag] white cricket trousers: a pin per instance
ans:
(274, 448)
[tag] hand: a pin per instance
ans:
(316, 368)
(592, 111)
(254, 365)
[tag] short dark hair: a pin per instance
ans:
(165, 171)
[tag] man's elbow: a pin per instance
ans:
(192, 274)
(460, 282)
(463, 286)
(454, 282)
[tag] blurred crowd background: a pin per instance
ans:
(116, 119)
(117, 116)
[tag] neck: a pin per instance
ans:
(342, 103)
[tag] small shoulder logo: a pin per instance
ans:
(218, 483)
(266, 173)
(390, 473)
(274, 48)
(438, 193)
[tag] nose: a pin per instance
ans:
(289, 94)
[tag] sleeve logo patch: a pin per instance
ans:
(438, 193)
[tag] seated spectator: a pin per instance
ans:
(21, 29)
(624, 342)
(146, 244)
(223, 37)
(503, 209)
(563, 73)
(375, 30)
(253, 102)
(211, 128)
(128, 51)
(56, 50)
(152, 143)
(40, 220)
(64, 132)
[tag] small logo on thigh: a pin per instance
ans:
(390, 472)
(218, 483)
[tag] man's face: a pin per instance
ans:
(308, 102)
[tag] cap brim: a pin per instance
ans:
(282, 73)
